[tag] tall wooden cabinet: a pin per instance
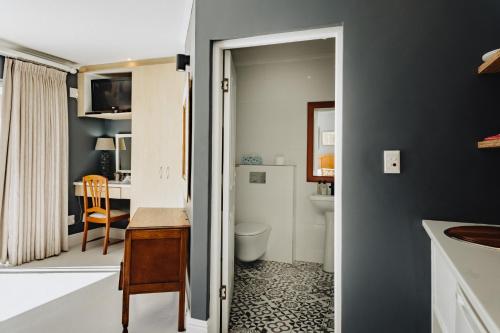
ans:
(157, 96)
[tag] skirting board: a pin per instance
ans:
(76, 239)
(195, 325)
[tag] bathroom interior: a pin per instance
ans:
(284, 200)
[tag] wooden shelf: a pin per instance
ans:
(490, 66)
(488, 144)
(111, 116)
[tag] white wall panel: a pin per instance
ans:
(271, 203)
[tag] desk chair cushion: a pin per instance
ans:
(112, 213)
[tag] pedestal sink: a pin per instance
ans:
(324, 204)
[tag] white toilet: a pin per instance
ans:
(251, 240)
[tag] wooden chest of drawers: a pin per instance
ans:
(156, 255)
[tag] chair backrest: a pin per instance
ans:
(94, 186)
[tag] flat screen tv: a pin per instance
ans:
(112, 95)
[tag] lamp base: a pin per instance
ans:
(105, 163)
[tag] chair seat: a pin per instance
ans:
(113, 213)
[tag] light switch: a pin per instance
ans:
(73, 92)
(392, 161)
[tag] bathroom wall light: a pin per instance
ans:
(183, 60)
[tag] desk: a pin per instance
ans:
(117, 190)
(156, 255)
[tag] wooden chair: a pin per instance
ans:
(94, 187)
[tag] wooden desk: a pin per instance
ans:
(117, 190)
(156, 255)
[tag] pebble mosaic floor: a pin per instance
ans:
(278, 297)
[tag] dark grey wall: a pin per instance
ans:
(83, 159)
(113, 127)
(409, 84)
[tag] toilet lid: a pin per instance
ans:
(250, 229)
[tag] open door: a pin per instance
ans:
(228, 188)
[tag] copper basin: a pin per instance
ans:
(483, 235)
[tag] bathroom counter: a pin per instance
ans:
(461, 268)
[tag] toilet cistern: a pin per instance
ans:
(324, 204)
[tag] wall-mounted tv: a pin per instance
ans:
(112, 95)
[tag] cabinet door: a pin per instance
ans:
(157, 137)
(444, 288)
(466, 320)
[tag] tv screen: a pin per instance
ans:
(112, 95)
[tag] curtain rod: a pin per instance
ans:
(37, 60)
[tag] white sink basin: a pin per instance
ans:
(324, 203)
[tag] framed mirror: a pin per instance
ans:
(320, 141)
(123, 153)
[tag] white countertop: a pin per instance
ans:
(111, 183)
(476, 267)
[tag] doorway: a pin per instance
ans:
(225, 157)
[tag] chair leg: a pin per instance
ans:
(85, 231)
(106, 239)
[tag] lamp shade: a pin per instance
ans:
(121, 144)
(105, 144)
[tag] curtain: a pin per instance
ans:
(33, 163)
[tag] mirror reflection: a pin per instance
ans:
(324, 141)
(123, 156)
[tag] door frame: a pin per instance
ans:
(217, 149)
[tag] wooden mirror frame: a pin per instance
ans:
(311, 106)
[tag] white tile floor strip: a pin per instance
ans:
(277, 297)
(93, 307)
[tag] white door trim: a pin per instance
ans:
(195, 325)
(217, 121)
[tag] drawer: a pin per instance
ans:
(115, 193)
(125, 192)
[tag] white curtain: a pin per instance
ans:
(33, 163)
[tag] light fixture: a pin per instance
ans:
(183, 60)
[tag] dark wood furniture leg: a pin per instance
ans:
(182, 299)
(126, 298)
(182, 280)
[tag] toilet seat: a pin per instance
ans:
(250, 229)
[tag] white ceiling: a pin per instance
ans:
(97, 31)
